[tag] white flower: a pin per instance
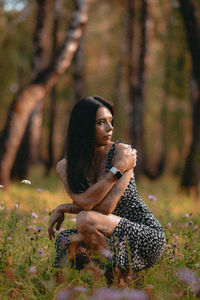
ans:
(1, 186)
(26, 181)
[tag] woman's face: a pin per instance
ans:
(103, 127)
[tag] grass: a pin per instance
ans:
(27, 255)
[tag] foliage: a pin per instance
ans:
(27, 255)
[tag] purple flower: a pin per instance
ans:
(152, 197)
(64, 295)
(105, 293)
(111, 294)
(187, 276)
(41, 251)
(39, 190)
(80, 289)
(133, 295)
(106, 253)
(34, 215)
(39, 228)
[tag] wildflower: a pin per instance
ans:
(169, 225)
(26, 181)
(106, 253)
(39, 229)
(9, 238)
(16, 205)
(187, 276)
(194, 251)
(195, 227)
(168, 246)
(34, 215)
(80, 289)
(64, 295)
(111, 294)
(30, 227)
(190, 223)
(41, 251)
(32, 270)
(152, 197)
(39, 190)
(187, 245)
(1, 186)
(133, 294)
(174, 244)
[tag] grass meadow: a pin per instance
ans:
(27, 255)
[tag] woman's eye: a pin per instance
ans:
(100, 122)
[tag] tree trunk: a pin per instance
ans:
(29, 149)
(34, 92)
(191, 175)
(79, 78)
(119, 72)
(53, 95)
(136, 92)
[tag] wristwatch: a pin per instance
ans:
(116, 172)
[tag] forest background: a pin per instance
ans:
(142, 55)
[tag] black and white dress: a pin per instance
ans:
(137, 241)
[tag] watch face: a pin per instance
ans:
(118, 174)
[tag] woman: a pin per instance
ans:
(98, 176)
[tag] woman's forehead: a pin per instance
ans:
(103, 112)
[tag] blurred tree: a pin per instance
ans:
(79, 76)
(58, 4)
(136, 78)
(28, 97)
(29, 149)
(191, 175)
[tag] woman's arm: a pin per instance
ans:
(124, 159)
(108, 204)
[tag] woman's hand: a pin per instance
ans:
(56, 217)
(124, 158)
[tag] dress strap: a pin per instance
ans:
(110, 155)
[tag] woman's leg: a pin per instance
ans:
(93, 227)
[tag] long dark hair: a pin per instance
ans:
(81, 141)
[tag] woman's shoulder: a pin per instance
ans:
(61, 166)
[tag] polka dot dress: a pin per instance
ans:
(137, 241)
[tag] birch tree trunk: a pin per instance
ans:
(28, 97)
(29, 149)
(191, 175)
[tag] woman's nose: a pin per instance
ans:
(109, 127)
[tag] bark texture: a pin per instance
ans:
(191, 175)
(28, 97)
